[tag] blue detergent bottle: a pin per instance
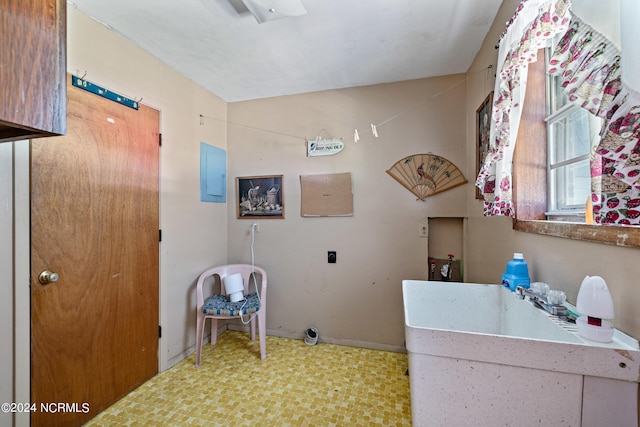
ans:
(517, 273)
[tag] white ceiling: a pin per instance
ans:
(338, 44)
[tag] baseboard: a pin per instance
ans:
(322, 339)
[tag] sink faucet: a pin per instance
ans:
(541, 301)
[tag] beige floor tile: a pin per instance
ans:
(297, 385)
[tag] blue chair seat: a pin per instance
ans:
(219, 305)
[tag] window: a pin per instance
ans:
(532, 177)
(572, 134)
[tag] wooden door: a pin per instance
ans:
(94, 222)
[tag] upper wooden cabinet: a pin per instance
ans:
(33, 57)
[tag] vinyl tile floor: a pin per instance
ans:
(297, 385)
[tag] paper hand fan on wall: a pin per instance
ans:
(426, 174)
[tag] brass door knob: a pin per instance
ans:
(47, 277)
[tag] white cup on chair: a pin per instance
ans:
(234, 287)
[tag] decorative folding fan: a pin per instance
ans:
(426, 174)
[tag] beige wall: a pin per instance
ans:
(562, 263)
(359, 298)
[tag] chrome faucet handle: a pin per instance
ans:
(541, 301)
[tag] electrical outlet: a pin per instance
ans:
(423, 230)
(331, 257)
(256, 227)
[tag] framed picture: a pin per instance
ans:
(260, 197)
(483, 124)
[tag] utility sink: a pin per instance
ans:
(478, 355)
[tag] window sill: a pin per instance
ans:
(628, 236)
(565, 216)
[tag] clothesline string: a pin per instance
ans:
(365, 130)
(249, 126)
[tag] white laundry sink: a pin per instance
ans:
(478, 355)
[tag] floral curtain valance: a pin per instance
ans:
(534, 23)
(589, 67)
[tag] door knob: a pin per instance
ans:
(47, 277)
